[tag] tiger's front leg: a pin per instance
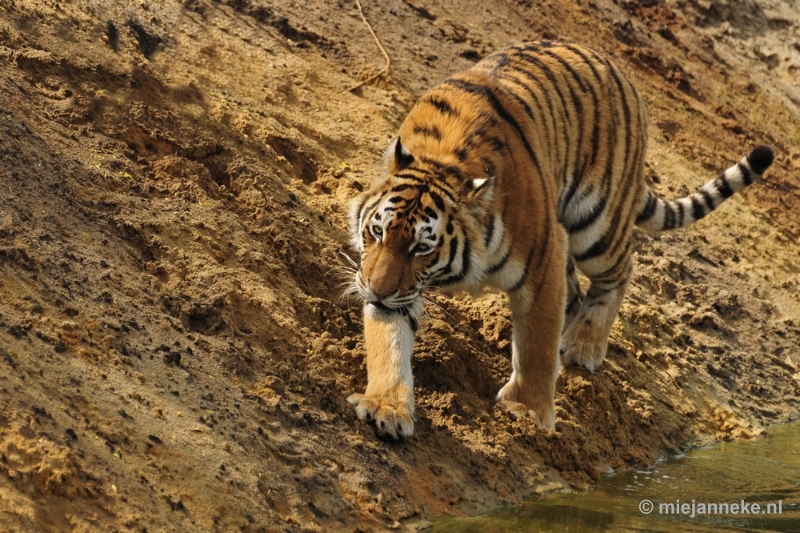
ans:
(389, 399)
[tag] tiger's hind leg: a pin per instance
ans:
(575, 294)
(585, 340)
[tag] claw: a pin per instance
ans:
(393, 419)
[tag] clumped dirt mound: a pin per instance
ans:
(174, 350)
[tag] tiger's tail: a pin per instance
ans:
(657, 214)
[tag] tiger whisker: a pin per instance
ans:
(442, 309)
(349, 259)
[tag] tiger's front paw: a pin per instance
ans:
(392, 413)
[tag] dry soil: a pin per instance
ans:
(174, 351)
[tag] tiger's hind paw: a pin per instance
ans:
(393, 419)
(513, 400)
(582, 346)
(518, 411)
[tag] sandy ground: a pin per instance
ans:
(174, 351)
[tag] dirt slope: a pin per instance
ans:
(174, 351)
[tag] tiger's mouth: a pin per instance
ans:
(392, 301)
(411, 307)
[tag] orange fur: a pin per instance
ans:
(510, 175)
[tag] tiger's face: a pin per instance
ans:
(413, 232)
(401, 233)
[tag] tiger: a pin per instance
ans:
(514, 174)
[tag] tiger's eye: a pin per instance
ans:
(422, 247)
(377, 230)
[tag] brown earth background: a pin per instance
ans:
(174, 351)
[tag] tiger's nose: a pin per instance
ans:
(378, 294)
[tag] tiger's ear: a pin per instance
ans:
(480, 190)
(398, 157)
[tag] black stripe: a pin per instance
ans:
(482, 90)
(360, 209)
(649, 209)
(455, 171)
(669, 216)
(370, 207)
(497, 60)
(597, 249)
(708, 199)
(444, 190)
(574, 159)
(589, 62)
(489, 232)
(496, 143)
(438, 165)
(411, 177)
(465, 259)
(429, 131)
(542, 249)
(575, 299)
(680, 215)
(568, 68)
(545, 118)
(479, 133)
(411, 320)
(611, 273)
(437, 200)
(550, 125)
(501, 263)
(722, 185)
(589, 218)
(521, 280)
(747, 176)
(697, 208)
(616, 233)
(465, 264)
(533, 46)
(573, 187)
(551, 78)
(453, 249)
(441, 105)
(431, 161)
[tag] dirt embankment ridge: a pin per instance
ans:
(174, 352)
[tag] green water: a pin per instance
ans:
(763, 472)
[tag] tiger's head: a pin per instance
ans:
(415, 230)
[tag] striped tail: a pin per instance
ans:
(658, 215)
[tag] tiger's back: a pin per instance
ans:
(512, 174)
(559, 127)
